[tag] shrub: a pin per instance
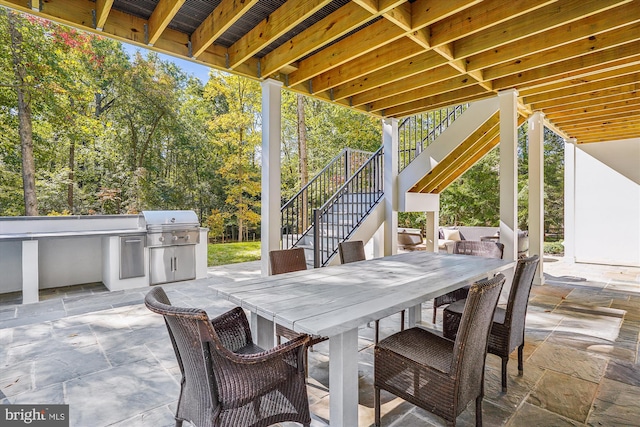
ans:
(553, 248)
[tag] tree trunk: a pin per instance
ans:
(24, 114)
(72, 162)
(304, 215)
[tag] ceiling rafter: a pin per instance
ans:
(160, 18)
(282, 20)
(103, 7)
(220, 20)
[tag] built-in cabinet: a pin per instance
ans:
(172, 264)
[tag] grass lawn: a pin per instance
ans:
(231, 253)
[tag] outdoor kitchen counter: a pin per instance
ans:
(59, 234)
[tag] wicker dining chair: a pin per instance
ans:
(287, 261)
(353, 251)
(467, 247)
(507, 330)
(227, 380)
(433, 372)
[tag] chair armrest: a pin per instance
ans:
(295, 345)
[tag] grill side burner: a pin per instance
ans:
(171, 238)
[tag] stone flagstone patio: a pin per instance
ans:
(110, 359)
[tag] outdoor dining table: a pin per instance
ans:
(334, 301)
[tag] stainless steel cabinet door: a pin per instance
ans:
(160, 265)
(184, 262)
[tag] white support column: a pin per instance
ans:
(536, 191)
(30, 275)
(390, 142)
(432, 231)
(509, 172)
(570, 200)
(270, 211)
(343, 379)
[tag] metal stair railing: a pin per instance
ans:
(297, 214)
(341, 215)
(415, 133)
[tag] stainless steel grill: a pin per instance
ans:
(171, 238)
(170, 228)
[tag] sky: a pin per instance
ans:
(197, 70)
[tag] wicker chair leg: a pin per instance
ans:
(377, 338)
(478, 411)
(178, 423)
(402, 320)
(520, 360)
(505, 360)
(278, 340)
(435, 310)
(376, 405)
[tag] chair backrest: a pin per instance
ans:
(287, 260)
(470, 347)
(185, 326)
(351, 251)
(477, 248)
(519, 297)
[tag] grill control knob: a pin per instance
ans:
(174, 238)
(161, 238)
(187, 237)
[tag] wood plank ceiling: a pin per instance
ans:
(578, 61)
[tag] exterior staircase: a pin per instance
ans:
(343, 202)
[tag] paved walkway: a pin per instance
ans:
(109, 358)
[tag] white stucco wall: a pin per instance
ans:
(607, 203)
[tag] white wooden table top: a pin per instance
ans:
(331, 300)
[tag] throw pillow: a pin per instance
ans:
(451, 234)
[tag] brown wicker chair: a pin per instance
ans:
(435, 373)
(287, 261)
(353, 251)
(507, 331)
(227, 380)
(467, 247)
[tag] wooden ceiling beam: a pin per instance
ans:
(609, 117)
(416, 82)
(593, 110)
(604, 76)
(369, 39)
(480, 17)
(282, 20)
(103, 7)
(585, 48)
(407, 95)
(567, 33)
(402, 70)
(438, 101)
(573, 89)
(389, 55)
(539, 21)
(163, 14)
(611, 136)
(623, 97)
(345, 19)
(227, 13)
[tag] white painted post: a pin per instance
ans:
(570, 200)
(30, 275)
(390, 143)
(536, 191)
(432, 231)
(343, 379)
(509, 172)
(270, 210)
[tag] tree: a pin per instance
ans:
(237, 137)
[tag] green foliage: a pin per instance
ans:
(232, 253)
(553, 248)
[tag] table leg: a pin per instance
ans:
(415, 315)
(262, 331)
(343, 379)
